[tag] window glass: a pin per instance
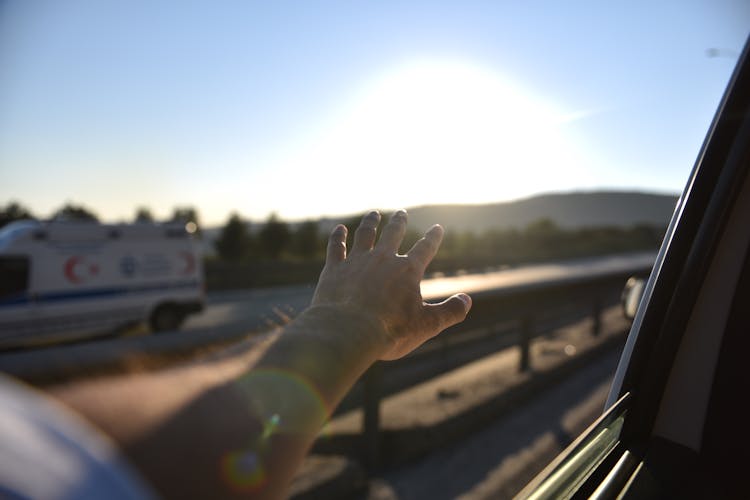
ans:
(14, 276)
(582, 458)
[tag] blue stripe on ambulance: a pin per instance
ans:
(92, 293)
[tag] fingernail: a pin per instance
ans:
(466, 299)
(400, 213)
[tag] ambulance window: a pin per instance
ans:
(14, 275)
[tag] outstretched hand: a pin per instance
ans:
(377, 282)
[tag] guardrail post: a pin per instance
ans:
(596, 324)
(524, 343)
(372, 382)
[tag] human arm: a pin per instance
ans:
(240, 424)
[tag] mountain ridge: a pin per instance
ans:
(568, 210)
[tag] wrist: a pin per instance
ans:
(366, 331)
(329, 346)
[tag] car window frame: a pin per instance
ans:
(689, 247)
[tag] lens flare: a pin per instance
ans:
(243, 470)
(292, 403)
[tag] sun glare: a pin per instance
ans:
(430, 133)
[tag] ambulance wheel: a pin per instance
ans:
(166, 317)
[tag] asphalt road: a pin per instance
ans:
(249, 310)
(498, 461)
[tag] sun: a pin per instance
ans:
(430, 132)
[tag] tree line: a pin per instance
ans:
(241, 242)
(273, 240)
(14, 211)
(541, 240)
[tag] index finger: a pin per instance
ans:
(425, 249)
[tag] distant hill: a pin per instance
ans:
(568, 210)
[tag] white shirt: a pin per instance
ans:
(48, 452)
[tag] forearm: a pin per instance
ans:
(238, 425)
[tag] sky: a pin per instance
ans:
(309, 108)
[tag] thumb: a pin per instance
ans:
(451, 311)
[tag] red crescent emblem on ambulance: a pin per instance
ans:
(76, 270)
(70, 269)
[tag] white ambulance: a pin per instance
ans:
(60, 280)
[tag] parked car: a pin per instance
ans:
(631, 296)
(674, 424)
